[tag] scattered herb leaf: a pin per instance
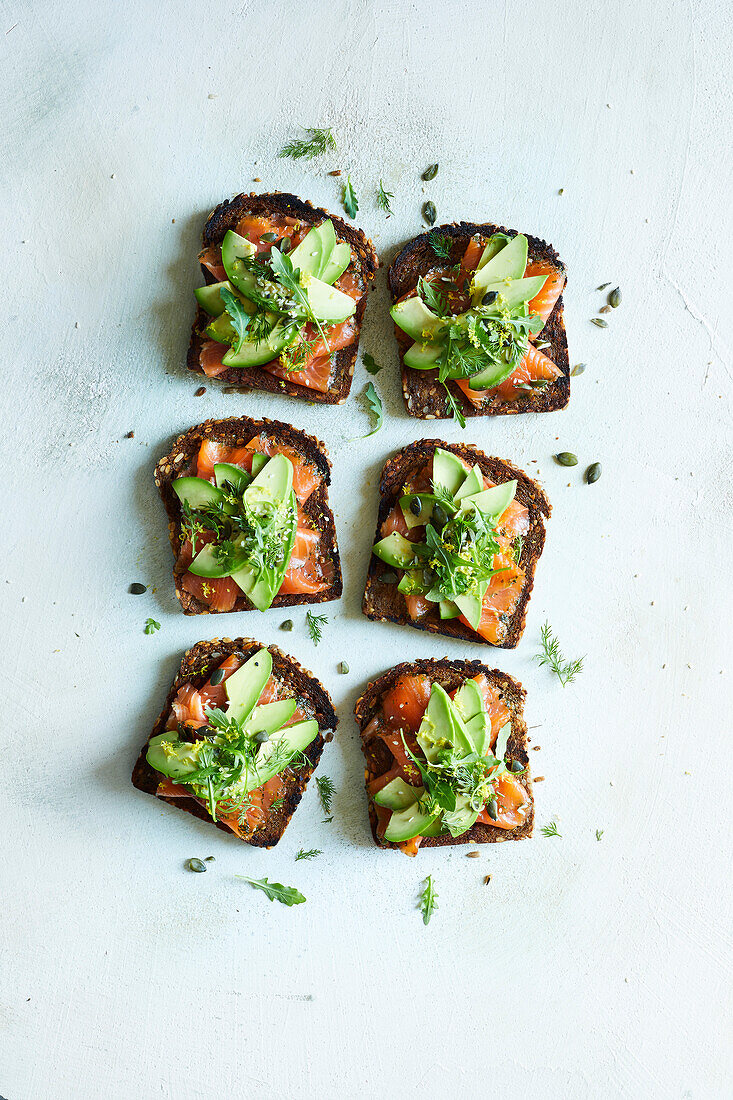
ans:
(351, 203)
(275, 891)
(550, 830)
(441, 246)
(316, 143)
(277, 804)
(599, 834)
(383, 198)
(151, 626)
(370, 363)
(375, 407)
(578, 369)
(428, 900)
(454, 407)
(326, 791)
(566, 671)
(310, 854)
(315, 624)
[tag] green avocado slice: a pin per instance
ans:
(470, 604)
(441, 725)
(408, 823)
(225, 473)
(234, 249)
(207, 564)
(395, 550)
(474, 483)
(423, 356)
(449, 473)
(210, 299)
(269, 717)
(245, 686)
(398, 795)
(253, 353)
(307, 257)
(177, 764)
(491, 502)
(338, 262)
(508, 262)
(414, 318)
(287, 742)
(327, 303)
(196, 491)
(261, 588)
(495, 243)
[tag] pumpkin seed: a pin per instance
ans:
(599, 322)
(197, 865)
(490, 297)
(493, 807)
(578, 369)
(269, 237)
(343, 668)
(602, 286)
(614, 298)
(137, 589)
(287, 625)
(216, 677)
(561, 191)
(416, 506)
(388, 578)
(430, 173)
(440, 517)
(429, 212)
(211, 859)
(605, 309)
(593, 472)
(285, 244)
(566, 458)
(542, 344)
(261, 737)
(516, 766)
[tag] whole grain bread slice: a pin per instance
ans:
(424, 396)
(225, 217)
(450, 675)
(235, 432)
(383, 603)
(196, 666)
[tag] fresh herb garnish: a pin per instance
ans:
(599, 834)
(454, 407)
(428, 900)
(550, 830)
(326, 791)
(237, 314)
(151, 626)
(370, 363)
(315, 624)
(351, 203)
(383, 198)
(440, 245)
(314, 145)
(566, 671)
(430, 296)
(277, 804)
(289, 277)
(275, 891)
(310, 854)
(375, 406)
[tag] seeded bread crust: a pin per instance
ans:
(196, 667)
(383, 603)
(242, 379)
(424, 395)
(450, 675)
(233, 432)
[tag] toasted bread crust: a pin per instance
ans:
(424, 395)
(236, 431)
(383, 603)
(225, 217)
(196, 669)
(450, 674)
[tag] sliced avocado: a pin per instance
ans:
(327, 303)
(470, 605)
(479, 730)
(273, 483)
(261, 589)
(414, 318)
(269, 717)
(288, 741)
(207, 564)
(495, 243)
(423, 356)
(176, 764)
(259, 460)
(508, 262)
(513, 293)
(308, 255)
(461, 819)
(398, 795)
(395, 550)
(502, 740)
(327, 233)
(469, 702)
(412, 583)
(491, 376)
(221, 329)
(441, 725)
(253, 353)
(474, 483)
(245, 686)
(492, 502)
(225, 473)
(337, 264)
(408, 823)
(210, 299)
(196, 492)
(449, 473)
(426, 510)
(449, 610)
(234, 249)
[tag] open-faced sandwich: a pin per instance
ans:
(286, 287)
(479, 321)
(446, 756)
(241, 731)
(458, 537)
(249, 521)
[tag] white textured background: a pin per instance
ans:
(585, 969)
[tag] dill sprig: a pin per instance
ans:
(315, 144)
(428, 900)
(566, 671)
(440, 245)
(315, 624)
(310, 854)
(383, 198)
(599, 834)
(326, 791)
(550, 830)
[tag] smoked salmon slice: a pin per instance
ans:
(404, 704)
(210, 258)
(211, 356)
(534, 366)
(512, 801)
(218, 593)
(543, 303)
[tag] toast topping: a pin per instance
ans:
(450, 767)
(456, 540)
(284, 300)
(243, 527)
(228, 743)
(475, 322)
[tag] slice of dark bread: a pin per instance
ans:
(196, 667)
(382, 602)
(424, 396)
(235, 432)
(225, 217)
(450, 675)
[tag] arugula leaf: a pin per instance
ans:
(289, 276)
(428, 900)
(151, 626)
(454, 407)
(370, 363)
(383, 198)
(315, 624)
(275, 891)
(430, 296)
(351, 203)
(237, 314)
(375, 406)
(566, 671)
(317, 143)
